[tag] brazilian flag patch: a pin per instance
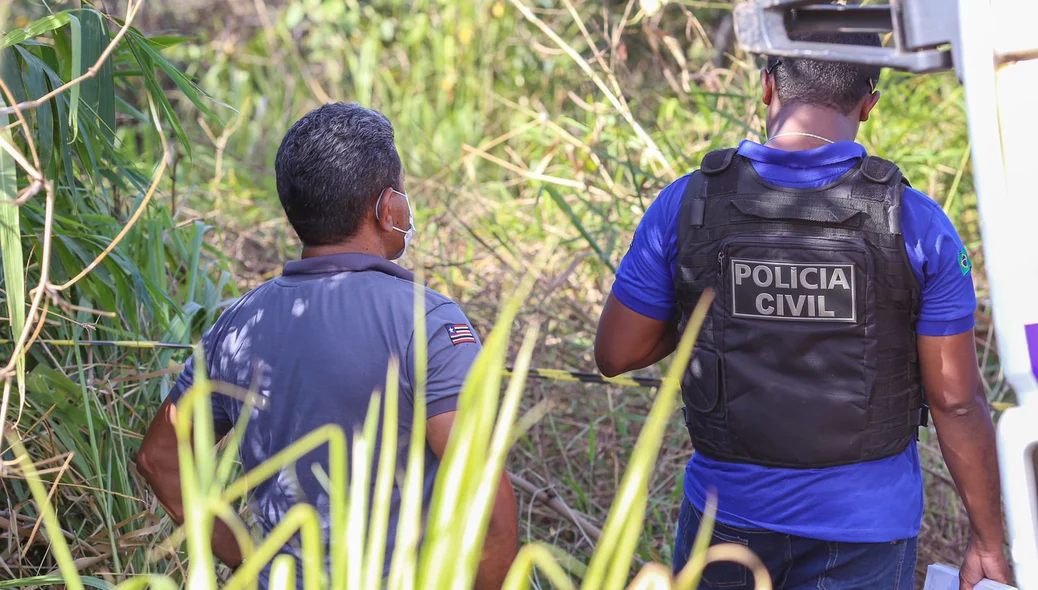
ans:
(965, 264)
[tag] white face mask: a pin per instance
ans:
(409, 232)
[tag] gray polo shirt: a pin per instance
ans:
(315, 343)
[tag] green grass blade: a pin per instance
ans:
(483, 502)
(37, 28)
(37, 581)
(405, 552)
(150, 581)
(11, 247)
(579, 225)
(362, 462)
(376, 547)
(536, 555)
(77, 70)
(613, 554)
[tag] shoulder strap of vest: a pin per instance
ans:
(879, 170)
(717, 161)
(693, 206)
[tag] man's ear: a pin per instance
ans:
(868, 105)
(383, 211)
(767, 82)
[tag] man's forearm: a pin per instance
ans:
(967, 438)
(167, 490)
(502, 539)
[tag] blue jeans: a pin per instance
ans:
(798, 563)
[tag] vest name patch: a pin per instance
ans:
(787, 291)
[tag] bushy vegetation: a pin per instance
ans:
(136, 203)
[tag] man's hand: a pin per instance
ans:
(980, 564)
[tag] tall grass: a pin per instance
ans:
(511, 137)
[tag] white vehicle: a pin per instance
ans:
(993, 47)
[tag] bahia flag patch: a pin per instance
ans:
(460, 334)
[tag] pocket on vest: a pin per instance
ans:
(703, 387)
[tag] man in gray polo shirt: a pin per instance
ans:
(316, 341)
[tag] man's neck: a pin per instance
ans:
(800, 127)
(347, 247)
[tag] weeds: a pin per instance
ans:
(511, 137)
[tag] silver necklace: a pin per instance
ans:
(812, 135)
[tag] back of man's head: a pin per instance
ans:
(332, 164)
(834, 85)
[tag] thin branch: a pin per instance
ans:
(5, 373)
(20, 158)
(50, 497)
(24, 339)
(27, 193)
(131, 12)
(553, 501)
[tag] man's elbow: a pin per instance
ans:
(146, 465)
(960, 409)
(155, 464)
(607, 363)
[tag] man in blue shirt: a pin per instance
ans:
(847, 526)
(316, 341)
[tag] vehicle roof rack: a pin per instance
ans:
(924, 31)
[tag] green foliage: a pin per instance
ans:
(508, 143)
(77, 171)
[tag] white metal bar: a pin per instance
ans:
(1003, 126)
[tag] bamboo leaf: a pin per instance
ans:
(99, 91)
(11, 247)
(157, 94)
(37, 28)
(77, 70)
(36, 85)
(66, 161)
(11, 73)
(189, 88)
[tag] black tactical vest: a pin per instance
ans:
(808, 356)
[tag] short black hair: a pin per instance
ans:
(331, 165)
(828, 84)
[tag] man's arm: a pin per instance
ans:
(967, 438)
(502, 541)
(158, 461)
(627, 340)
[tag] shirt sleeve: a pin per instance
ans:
(942, 266)
(452, 348)
(645, 279)
(186, 379)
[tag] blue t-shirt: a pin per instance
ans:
(877, 501)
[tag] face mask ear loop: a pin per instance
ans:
(378, 202)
